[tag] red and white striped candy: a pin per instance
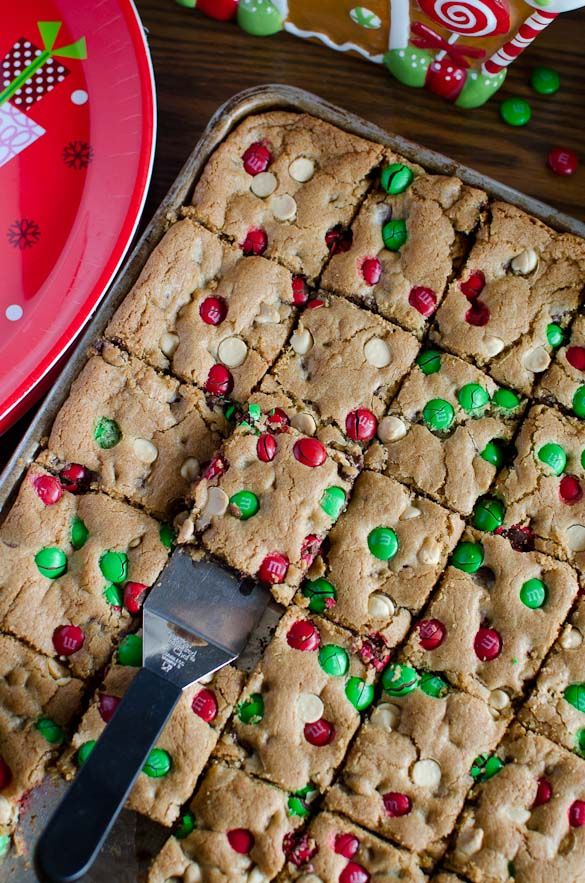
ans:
(506, 54)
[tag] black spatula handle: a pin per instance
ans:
(83, 819)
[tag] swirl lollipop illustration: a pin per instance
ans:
(472, 18)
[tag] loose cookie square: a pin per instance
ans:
(286, 185)
(74, 569)
(519, 287)
(143, 435)
(564, 382)
(407, 240)
(381, 559)
(204, 312)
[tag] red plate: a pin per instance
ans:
(77, 132)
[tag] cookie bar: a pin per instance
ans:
(447, 431)
(74, 568)
(301, 705)
(516, 293)
(541, 493)
(286, 185)
(143, 435)
(267, 501)
(38, 699)
(556, 707)
(238, 827)
(408, 238)
(564, 382)
(204, 312)
(527, 821)
(495, 615)
(333, 850)
(413, 762)
(381, 559)
(183, 748)
(345, 364)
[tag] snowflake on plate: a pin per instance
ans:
(77, 154)
(23, 233)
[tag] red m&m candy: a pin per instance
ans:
(424, 300)
(577, 814)
(5, 774)
(319, 733)
(338, 239)
(371, 271)
(300, 290)
(396, 804)
(219, 381)
(216, 467)
(205, 705)
(309, 549)
(361, 425)
(562, 161)
(278, 420)
(75, 478)
(431, 633)
(241, 840)
(543, 793)
(213, 310)
(303, 635)
(107, 705)
(478, 314)
(473, 286)
(346, 845)
(255, 243)
(256, 158)
(299, 848)
(273, 569)
(134, 596)
(310, 452)
(570, 490)
(576, 357)
(48, 488)
(68, 639)
(266, 447)
(487, 644)
(354, 873)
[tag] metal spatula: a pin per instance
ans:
(197, 618)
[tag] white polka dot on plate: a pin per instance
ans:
(14, 312)
(80, 96)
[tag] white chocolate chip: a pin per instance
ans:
(8, 812)
(133, 544)
(232, 351)
(216, 504)
(430, 552)
(493, 345)
(570, 638)
(186, 530)
(305, 423)
(386, 716)
(301, 169)
(524, 263)
(470, 840)
(576, 538)
(284, 207)
(206, 679)
(58, 672)
(263, 184)
(536, 360)
(269, 315)
(499, 699)
(380, 605)
(518, 814)
(391, 429)
(168, 343)
(302, 341)
(410, 512)
(256, 876)
(145, 450)
(309, 708)
(377, 352)
(193, 873)
(190, 469)
(426, 774)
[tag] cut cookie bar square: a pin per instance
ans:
(381, 559)
(345, 364)
(447, 431)
(495, 615)
(526, 822)
(564, 382)
(169, 776)
(286, 185)
(413, 762)
(74, 567)
(38, 699)
(520, 285)
(541, 492)
(556, 707)
(204, 312)
(335, 851)
(268, 500)
(407, 240)
(143, 435)
(301, 705)
(237, 830)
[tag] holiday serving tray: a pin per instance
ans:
(136, 839)
(77, 133)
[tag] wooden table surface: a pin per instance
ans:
(200, 63)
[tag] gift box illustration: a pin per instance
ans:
(458, 49)
(29, 72)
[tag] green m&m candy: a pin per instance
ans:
(555, 335)
(505, 399)
(51, 562)
(429, 361)
(484, 767)
(554, 457)
(399, 680)
(130, 651)
(186, 826)
(580, 741)
(394, 234)
(254, 412)
(383, 543)
(438, 414)
(515, 111)
(299, 801)
(321, 594)
(433, 685)
(533, 593)
(107, 433)
(114, 595)
(359, 693)
(158, 764)
(167, 535)
(251, 710)
(79, 533)
(495, 452)
(579, 402)
(488, 514)
(4, 844)
(575, 696)
(334, 660)
(545, 80)
(84, 751)
(468, 557)
(114, 566)
(244, 504)
(332, 501)
(395, 178)
(50, 730)
(472, 397)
